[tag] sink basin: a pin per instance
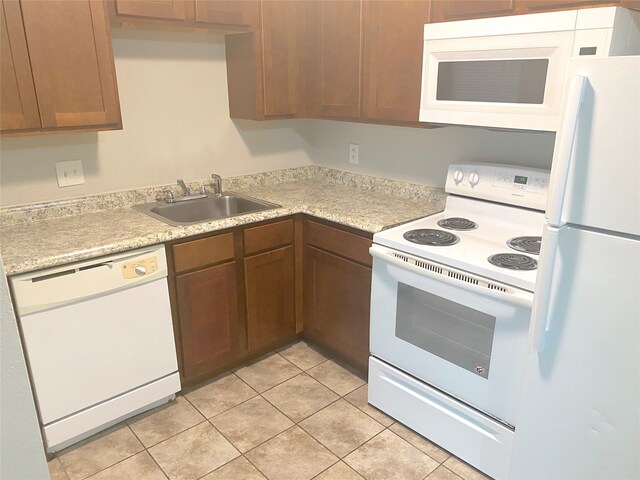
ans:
(206, 209)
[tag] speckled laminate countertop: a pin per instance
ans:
(45, 243)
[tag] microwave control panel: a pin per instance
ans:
(521, 186)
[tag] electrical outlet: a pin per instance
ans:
(354, 153)
(69, 173)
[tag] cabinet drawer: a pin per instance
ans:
(349, 245)
(268, 236)
(199, 253)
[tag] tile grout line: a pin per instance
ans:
(319, 441)
(295, 423)
(108, 466)
(330, 466)
(146, 449)
(255, 466)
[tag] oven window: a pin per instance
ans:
(497, 81)
(453, 332)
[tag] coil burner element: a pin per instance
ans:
(526, 244)
(457, 223)
(513, 261)
(429, 236)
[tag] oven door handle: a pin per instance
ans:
(543, 299)
(515, 295)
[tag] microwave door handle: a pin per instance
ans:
(563, 150)
(542, 309)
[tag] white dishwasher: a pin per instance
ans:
(99, 341)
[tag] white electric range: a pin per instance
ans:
(451, 302)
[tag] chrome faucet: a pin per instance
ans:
(217, 184)
(185, 190)
(171, 198)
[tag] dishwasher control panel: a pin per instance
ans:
(140, 267)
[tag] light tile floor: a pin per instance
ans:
(293, 414)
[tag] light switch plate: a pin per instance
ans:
(69, 173)
(354, 153)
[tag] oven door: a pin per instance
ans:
(504, 81)
(462, 334)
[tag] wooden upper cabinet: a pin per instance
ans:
(72, 63)
(338, 72)
(534, 6)
(448, 10)
(18, 104)
(225, 12)
(223, 15)
(263, 65)
(164, 9)
(393, 39)
(280, 57)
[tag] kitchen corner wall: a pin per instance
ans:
(173, 95)
(175, 110)
(422, 155)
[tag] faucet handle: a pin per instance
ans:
(203, 189)
(217, 184)
(170, 196)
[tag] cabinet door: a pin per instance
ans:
(393, 40)
(18, 105)
(534, 6)
(165, 9)
(338, 26)
(72, 63)
(208, 313)
(337, 294)
(225, 12)
(269, 279)
(280, 57)
(447, 10)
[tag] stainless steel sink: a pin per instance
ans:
(204, 209)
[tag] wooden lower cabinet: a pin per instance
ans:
(208, 310)
(240, 293)
(337, 293)
(269, 285)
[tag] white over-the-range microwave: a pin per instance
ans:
(509, 72)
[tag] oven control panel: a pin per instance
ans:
(513, 185)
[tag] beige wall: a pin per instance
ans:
(423, 155)
(173, 95)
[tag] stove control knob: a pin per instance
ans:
(458, 176)
(474, 179)
(140, 270)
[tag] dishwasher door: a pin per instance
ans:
(96, 335)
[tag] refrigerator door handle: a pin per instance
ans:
(563, 150)
(543, 298)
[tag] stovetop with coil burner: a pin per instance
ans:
(499, 241)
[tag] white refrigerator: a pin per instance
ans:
(579, 413)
